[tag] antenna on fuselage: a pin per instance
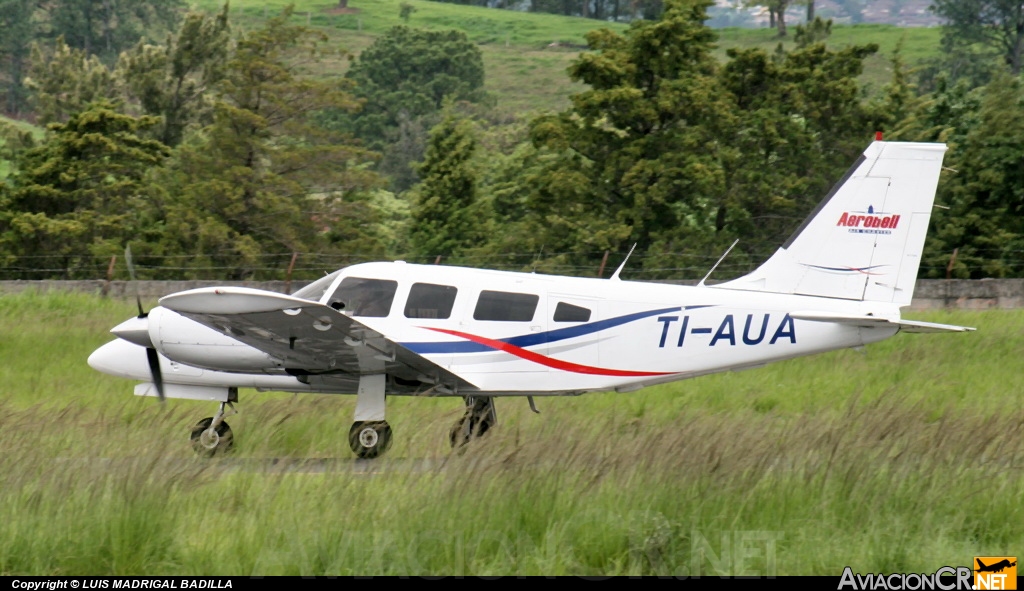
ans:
(615, 275)
(720, 259)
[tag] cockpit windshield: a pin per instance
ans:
(315, 291)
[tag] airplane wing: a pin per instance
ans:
(306, 336)
(878, 322)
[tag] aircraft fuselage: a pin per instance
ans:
(536, 334)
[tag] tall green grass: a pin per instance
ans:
(907, 456)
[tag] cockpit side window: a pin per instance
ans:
(358, 296)
(315, 291)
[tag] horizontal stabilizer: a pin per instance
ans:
(878, 322)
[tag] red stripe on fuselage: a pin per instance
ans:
(548, 361)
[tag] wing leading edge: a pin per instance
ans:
(307, 336)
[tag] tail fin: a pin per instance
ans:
(864, 240)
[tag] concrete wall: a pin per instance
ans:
(930, 294)
(969, 294)
(146, 289)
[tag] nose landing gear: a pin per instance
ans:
(212, 436)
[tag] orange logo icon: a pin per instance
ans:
(995, 572)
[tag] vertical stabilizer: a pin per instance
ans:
(864, 240)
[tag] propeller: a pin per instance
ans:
(151, 353)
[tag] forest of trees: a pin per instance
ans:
(222, 152)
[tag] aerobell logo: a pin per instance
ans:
(868, 222)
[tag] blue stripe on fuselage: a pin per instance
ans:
(532, 339)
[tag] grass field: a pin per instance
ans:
(904, 457)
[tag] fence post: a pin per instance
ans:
(952, 261)
(604, 261)
(288, 274)
(110, 276)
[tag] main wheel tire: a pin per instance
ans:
(209, 443)
(369, 439)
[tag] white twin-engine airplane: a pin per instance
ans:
(380, 329)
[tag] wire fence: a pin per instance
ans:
(310, 265)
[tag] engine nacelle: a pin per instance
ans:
(186, 341)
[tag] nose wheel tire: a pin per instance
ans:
(208, 442)
(369, 439)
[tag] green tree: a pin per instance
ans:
(814, 31)
(997, 24)
(638, 152)
(445, 215)
(669, 150)
(80, 196)
(777, 12)
(171, 81)
(105, 28)
(403, 79)
(18, 29)
(799, 122)
(413, 71)
(264, 178)
(66, 80)
(984, 185)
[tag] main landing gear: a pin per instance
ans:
(370, 435)
(480, 416)
(212, 436)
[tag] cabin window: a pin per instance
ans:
(569, 313)
(427, 300)
(505, 306)
(315, 291)
(357, 296)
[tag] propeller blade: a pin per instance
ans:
(154, 369)
(131, 273)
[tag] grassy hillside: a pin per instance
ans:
(915, 44)
(526, 54)
(23, 126)
(524, 71)
(881, 460)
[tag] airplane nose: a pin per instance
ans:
(134, 330)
